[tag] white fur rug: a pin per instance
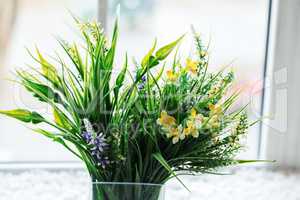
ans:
(245, 184)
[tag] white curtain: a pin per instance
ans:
(8, 12)
(281, 133)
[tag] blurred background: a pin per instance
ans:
(236, 31)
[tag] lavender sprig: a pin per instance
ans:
(141, 85)
(98, 144)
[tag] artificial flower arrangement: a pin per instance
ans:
(147, 126)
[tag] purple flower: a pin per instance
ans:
(142, 84)
(101, 159)
(87, 136)
(99, 143)
(98, 148)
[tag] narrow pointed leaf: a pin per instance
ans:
(163, 52)
(146, 59)
(24, 115)
(165, 164)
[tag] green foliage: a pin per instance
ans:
(163, 52)
(24, 115)
(176, 120)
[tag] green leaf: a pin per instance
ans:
(165, 164)
(121, 76)
(120, 79)
(155, 79)
(61, 120)
(111, 53)
(24, 116)
(163, 52)
(146, 59)
(254, 161)
(47, 69)
(36, 118)
(45, 133)
(42, 92)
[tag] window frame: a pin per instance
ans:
(264, 99)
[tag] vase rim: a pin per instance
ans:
(126, 183)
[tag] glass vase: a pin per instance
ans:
(126, 191)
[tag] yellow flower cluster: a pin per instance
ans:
(193, 124)
(215, 112)
(172, 76)
(215, 109)
(191, 67)
(169, 125)
(166, 120)
(177, 132)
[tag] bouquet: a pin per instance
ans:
(167, 117)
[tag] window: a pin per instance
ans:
(237, 30)
(37, 22)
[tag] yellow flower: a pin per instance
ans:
(191, 66)
(197, 118)
(191, 129)
(193, 113)
(215, 125)
(176, 133)
(215, 109)
(166, 120)
(213, 122)
(186, 131)
(214, 119)
(172, 76)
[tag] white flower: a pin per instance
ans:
(88, 126)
